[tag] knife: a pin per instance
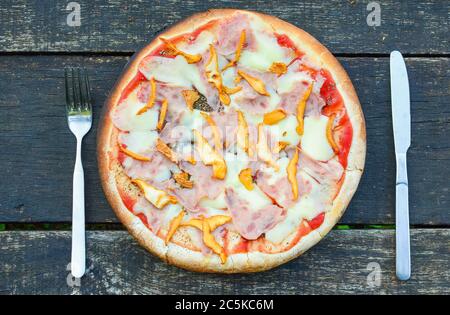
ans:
(401, 121)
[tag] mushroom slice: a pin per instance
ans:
(208, 225)
(242, 132)
(211, 242)
(263, 149)
(278, 68)
(173, 50)
(166, 150)
(330, 138)
(215, 131)
(213, 221)
(281, 145)
(209, 156)
(134, 155)
(158, 198)
(151, 98)
(274, 116)
(255, 83)
(245, 177)
(237, 55)
(183, 180)
(213, 75)
(174, 224)
(190, 97)
(291, 170)
(162, 115)
(301, 110)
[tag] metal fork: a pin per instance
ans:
(79, 117)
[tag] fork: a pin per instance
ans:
(79, 118)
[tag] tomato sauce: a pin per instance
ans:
(242, 247)
(138, 78)
(284, 41)
(143, 219)
(317, 221)
(343, 132)
(127, 200)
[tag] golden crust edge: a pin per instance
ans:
(253, 261)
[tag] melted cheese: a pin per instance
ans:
(287, 82)
(285, 130)
(175, 71)
(256, 197)
(200, 45)
(217, 203)
(191, 120)
(286, 227)
(228, 77)
(235, 164)
(274, 176)
(267, 52)
(139, 141)
(170, 211)
(125, 115)
(274, 99)
(314, 140)
(163, 175)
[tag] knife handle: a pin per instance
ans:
(402, 220)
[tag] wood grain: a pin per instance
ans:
(38, 149)
(111, 26)
(35, 263)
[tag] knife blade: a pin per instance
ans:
(401, 121)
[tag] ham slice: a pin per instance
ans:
(281, 189)
(299, 82)
(201, 175)
(204, 186)
(325, 173)
(251, 223)
(171, 93)
(188, 198)
(229, 33)
(251, 101)
(227, 123)
(289, 100)
(155, 171)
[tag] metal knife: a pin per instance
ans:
(401, 121)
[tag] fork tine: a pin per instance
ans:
(88, 90)
(68, 100)
(75, 94)
(80, 90)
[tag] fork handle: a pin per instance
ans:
(403, 254)
(78, 263)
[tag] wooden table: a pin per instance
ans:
(38, 151)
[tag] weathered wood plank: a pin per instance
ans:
(35, 263)
(411, 26)
(38, 150)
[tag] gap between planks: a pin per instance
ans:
(131, 53)
(66, 226)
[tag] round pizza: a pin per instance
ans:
(233, 142)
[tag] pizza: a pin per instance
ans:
(233, 142)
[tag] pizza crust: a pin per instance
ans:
(253, 261)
